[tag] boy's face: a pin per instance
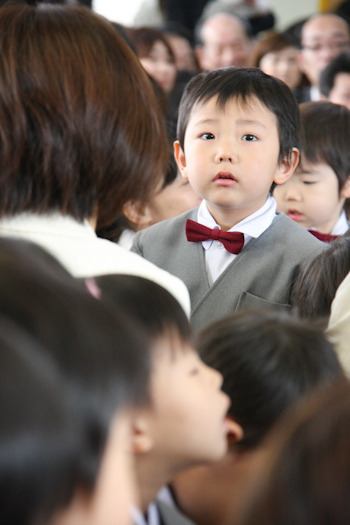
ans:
(311, 197)
(340, 92)
(231, 157)
(187, 415)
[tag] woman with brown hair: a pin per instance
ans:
(80, 135)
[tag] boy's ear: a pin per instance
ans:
(345, 191)
(235, 431)
(142, 441)
(286, 167)
(180, 159)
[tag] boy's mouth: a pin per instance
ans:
(225, 178)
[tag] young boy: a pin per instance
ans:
(315, 195)
(183, 422)
(284, 359)
(238, 134)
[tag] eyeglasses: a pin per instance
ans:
(332, 46)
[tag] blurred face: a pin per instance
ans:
(183, 53)
(187, 418)
(340, 93)
(322, 39)
(160, 65)
(174, 199)
(225, 43)
(311, 197)
(282, 64)
(231, 157)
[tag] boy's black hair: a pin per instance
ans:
(42, 439)
(147, 302)
(268, 360)
(243, 84)
(99, 351)
(340, 64)
(325, 131)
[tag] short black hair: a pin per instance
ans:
(42, 438)
(243, 84)
(268, 361)
(339, 64)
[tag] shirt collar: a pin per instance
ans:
(253, 225)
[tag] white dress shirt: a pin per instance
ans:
(217, 258)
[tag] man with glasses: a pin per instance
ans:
(323, 37)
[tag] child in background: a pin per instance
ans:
(102, 358)
(238, 134)
(316, 194)
(269, 361)
(183, 422)
(276, 55)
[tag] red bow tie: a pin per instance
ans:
(325, 237)
(233, 241)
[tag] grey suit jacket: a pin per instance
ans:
(261, 276)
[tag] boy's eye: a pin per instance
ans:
(249, 137)
(309, 182)
(206, 136)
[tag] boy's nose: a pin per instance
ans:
(224, 157)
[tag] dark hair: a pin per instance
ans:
(80, 131)
(98, 350)
(243, 84)
(318, 280)
(148, 303)
(339, 64)
(144, 38)
(268, 361)
(270, 42)
(306, 475)
(42, 439)
(325, 128)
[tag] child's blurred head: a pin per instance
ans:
(315, 195)
(183, 421)
(268, 360)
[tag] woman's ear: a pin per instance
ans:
(180, 159)
(287, 167)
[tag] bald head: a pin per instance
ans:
(323, 37)
(224, 42)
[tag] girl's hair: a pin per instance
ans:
(306, 475)
(318, 280)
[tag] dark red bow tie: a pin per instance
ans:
(325, 237)
(233, 241)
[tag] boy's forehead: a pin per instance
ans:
(216, 105)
